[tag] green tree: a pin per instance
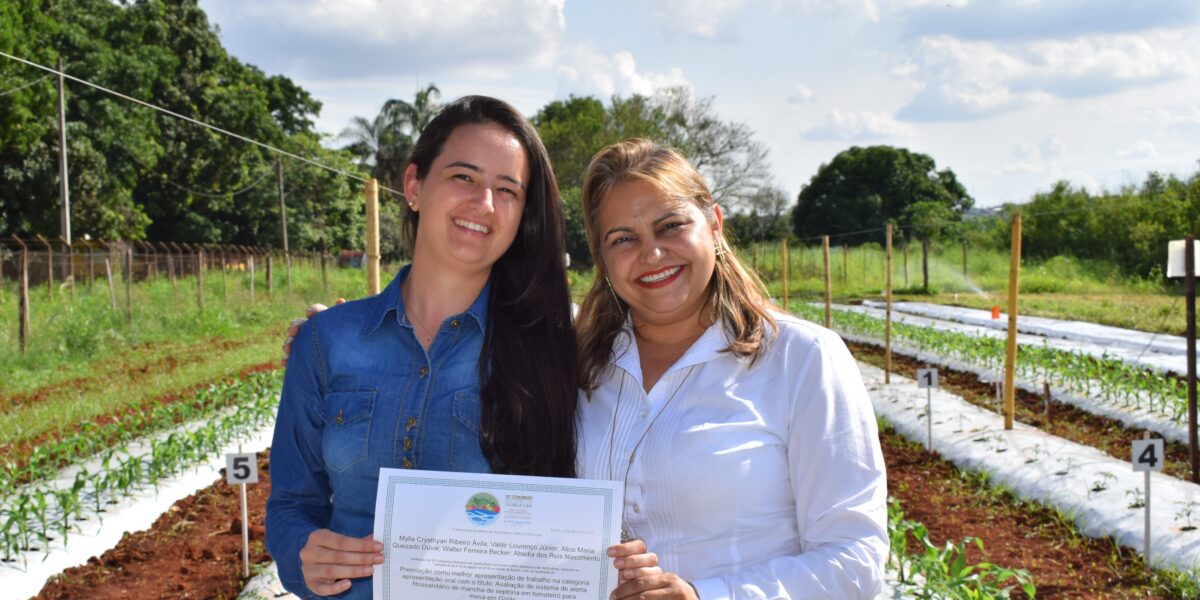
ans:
(384, 142)
(135, 172)
(865, 188)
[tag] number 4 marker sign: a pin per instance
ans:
(1147, 456)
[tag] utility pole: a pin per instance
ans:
(64, 190)
(287, 256)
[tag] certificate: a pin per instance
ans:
(471, 536)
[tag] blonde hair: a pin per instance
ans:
(735, 295)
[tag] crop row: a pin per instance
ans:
(92, 439)
(932, 571)
(1097, 377)
(33, 512)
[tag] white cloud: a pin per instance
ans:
(1143, 149)
(973, 79)
(386, 37)
(704, 19)
(1040, 19)
(583, 70)
(1036, 158)
(863, 125)
(800, 94)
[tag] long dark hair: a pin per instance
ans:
(528, 368)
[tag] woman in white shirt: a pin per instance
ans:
(744, 436)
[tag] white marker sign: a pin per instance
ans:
(1147, 455)
(927, 378)
(241, 468)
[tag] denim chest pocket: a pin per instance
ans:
(347, 417)
(465, 453)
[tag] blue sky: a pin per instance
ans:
(1012, 96)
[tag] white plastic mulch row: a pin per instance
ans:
(96, 534)
(1080, 331)
(1093, 489)
(1158, 352)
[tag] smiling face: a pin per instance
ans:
(470, 200)
(659, 252)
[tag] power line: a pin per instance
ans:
(243, 138)
(25, 85)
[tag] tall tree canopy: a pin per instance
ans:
(135, 172)
(1128, 228)
(384, 142)
(866, 188)
(731, 159)
(573, 130)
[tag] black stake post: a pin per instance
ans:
(1189, 267)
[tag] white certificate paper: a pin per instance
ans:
(471, 536)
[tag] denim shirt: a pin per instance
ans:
(360, 393)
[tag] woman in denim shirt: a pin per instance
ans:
(466, 361)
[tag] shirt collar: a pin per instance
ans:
(710, 345)
(391, 301)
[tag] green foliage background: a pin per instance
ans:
(136, 173)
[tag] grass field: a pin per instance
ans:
(84, 359)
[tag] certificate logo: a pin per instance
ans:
(483, 508)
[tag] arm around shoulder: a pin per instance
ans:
(299, 501)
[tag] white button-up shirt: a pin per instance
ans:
(763, 481)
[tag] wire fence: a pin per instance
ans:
(38, 270)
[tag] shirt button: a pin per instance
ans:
(454, 323)
(645, 412)
(412, 422)
(423, 372)
(408, 443)
(637, 509)
(407, 463)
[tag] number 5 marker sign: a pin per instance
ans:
(241, 468)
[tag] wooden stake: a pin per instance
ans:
(372, 198)
(250, 266)
(925, 264)
(49, 266)
(786, 262)
(324, 277)
(845, 264)
(828, 287)
(129, 285)
(1010, 359)
(108, 274)
(200, 280)
(23, 296)
(887, 328)
(1189, 282)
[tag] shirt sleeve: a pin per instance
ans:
(839, 485)
(299, 502)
